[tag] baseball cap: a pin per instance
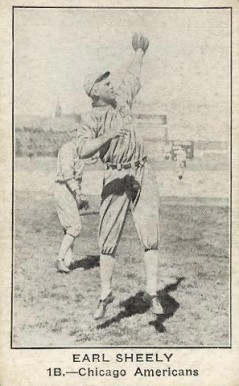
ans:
(92, 79)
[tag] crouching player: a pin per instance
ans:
(69, 198)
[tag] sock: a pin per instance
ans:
(66, 244)
(151, 260)
(68, 257)
(107, 263)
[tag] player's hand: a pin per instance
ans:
(123, 132)
(118, 133)
(82, 201)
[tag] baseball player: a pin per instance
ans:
(69, 198)
(180, 163)
(128, 181)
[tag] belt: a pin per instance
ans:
(129, 165)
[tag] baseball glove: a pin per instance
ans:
(135, 41)
(82, 202)
(139, 41)
(144, 43)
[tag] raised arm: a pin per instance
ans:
(140, 44)
(130, 84)
(135, 66)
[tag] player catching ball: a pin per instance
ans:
(69, 198)
(128, 181)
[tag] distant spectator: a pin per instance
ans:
(180, 163)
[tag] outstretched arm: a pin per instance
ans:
(130, 84)
(140, 44)
(135, 66)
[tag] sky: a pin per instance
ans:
(185, 74)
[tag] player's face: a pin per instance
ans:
(106, 90)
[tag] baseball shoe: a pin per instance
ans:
(154, 303)
(61, 267)
(101, 308)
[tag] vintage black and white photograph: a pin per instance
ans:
(121, 177)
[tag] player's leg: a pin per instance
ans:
(115, 203)
(70, 220)
(69, 259)
(107, 263)
(146, 217)
(65, 250)
(151, 261)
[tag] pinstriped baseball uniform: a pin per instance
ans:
(69, 177)
(133, 187)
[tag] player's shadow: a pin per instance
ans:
(136, 305)
(89, 262)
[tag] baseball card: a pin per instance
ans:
(119, 193)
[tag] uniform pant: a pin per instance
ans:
(67, 210)
(135, 188)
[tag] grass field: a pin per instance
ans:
(51, 309)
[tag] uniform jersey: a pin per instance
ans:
(69, 166)
(104, 118)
